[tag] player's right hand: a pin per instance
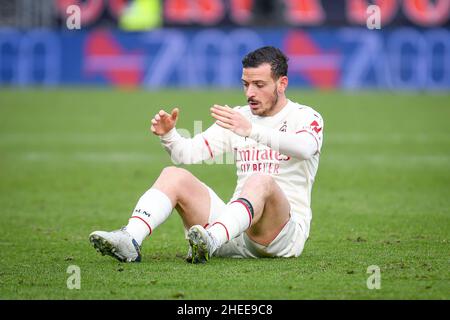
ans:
(163, 122)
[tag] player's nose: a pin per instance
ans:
(250, 93)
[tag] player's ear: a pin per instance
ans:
(282, 84)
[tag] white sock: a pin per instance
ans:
(152, 209)
(235, 219)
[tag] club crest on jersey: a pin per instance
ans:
(315, 126)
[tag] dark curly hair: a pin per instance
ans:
(271, 55)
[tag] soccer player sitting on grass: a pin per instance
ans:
(276, 143)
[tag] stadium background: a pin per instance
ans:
(76, 152)
(200, 43)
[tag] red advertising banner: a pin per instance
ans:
(281, 13)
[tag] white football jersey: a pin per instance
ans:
(294, 176)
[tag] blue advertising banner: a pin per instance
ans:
(344, 58)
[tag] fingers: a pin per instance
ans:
(163, 114)
(174, 113)
(225, 109)
(222, 119)
(160, 116)
(224, 125)
(223, 116)
(156, 120)
(221, 112)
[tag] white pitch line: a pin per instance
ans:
(339, 160)
(92, 157)
(103, 138)
(387, 160)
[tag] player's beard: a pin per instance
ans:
(274, 100)
(273, 104)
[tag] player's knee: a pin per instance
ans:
(260, 180)
(175, 175)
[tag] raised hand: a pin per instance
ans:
(231, 119)
(163, 122)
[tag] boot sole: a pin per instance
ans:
(103, 246)
(199, 248)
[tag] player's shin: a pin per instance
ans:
(152, 209)
(235, 219)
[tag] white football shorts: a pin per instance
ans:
(288, 243)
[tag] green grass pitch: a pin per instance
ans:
(75, 161)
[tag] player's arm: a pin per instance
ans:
(203, 146)
(301, 145)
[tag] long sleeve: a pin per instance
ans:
(206, 145)
(303, 144)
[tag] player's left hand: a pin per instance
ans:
(231, 119)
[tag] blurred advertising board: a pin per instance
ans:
(344, 58)
(220, 13)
